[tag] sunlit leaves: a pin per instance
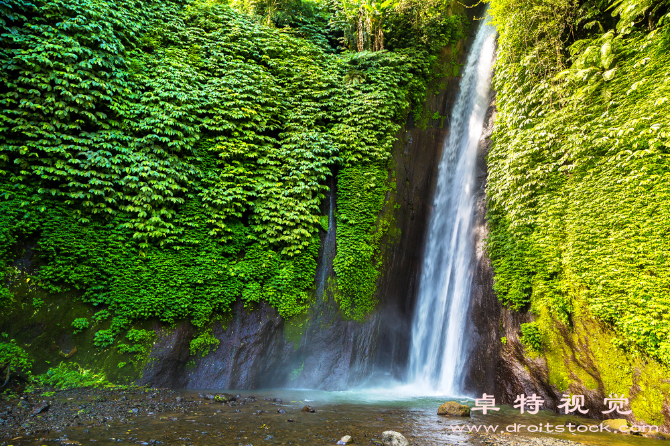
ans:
(579, 176)
(172, 158)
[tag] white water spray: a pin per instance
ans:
(439, 325)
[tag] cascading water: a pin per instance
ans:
(438, 328)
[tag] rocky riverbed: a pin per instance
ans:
(149, 416)
(51, 412)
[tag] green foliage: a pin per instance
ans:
(579, 180)
(531, 336)
(103, 338)
(6, 296)
(295, 373)
(101, 315)
(370, 25)
(305, 18)
(70, 375)
(37, 303)
(80, 324)
(14, 356)
(203, 343)
(140, 345)
(139, 341)
(427, 24)
(171, 158)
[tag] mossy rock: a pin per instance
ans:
(616, 424)
(453, 409)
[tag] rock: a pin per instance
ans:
(656, 435)
(209, 396)
(346, 440)
(278, 400)
(393, 438)
(281, 411)
(23, 404)
(309, 409)
(224, 397)
(41, 407)
(453, 409)
(573, 422)
(615, 424)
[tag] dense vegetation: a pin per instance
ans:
(579, 184)
(167, 158)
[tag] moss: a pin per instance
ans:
(223, 319)
(205, 342)
(47, 334)
(294, 328)
(654, 392)
(586, 356)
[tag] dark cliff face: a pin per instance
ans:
(483, 339)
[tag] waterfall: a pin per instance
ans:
(437, 348)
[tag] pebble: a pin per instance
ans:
(346, 440)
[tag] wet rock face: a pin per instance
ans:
(249, 349)
(483, 341)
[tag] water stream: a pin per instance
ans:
(439, 325)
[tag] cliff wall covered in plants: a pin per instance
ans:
(168, 168)
(578, 194)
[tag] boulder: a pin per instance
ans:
(453, 409)
(224, 397)
(41, 407)
(393, 438)
(616, 424)
(346, 440)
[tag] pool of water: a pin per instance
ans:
(363, 414)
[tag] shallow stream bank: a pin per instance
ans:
(269, 417)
